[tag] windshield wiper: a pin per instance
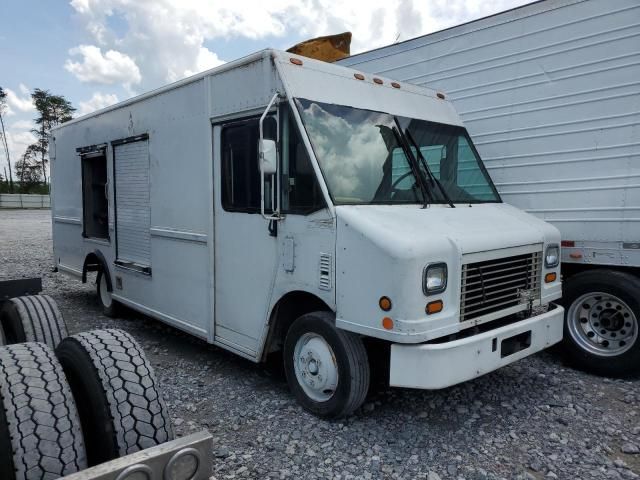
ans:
(428, 170)
(413, 163)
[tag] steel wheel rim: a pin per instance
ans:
(602, 324)
(105, 296)
(315, 367)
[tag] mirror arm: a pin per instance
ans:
(276, 214)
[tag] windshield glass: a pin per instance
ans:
(361, 156)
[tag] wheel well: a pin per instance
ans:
(95, 262)
(285, 312)
(571, 269)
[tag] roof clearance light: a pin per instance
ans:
(378, 81)
(358, 76)
(295, 61)
(440, 95)
(395, 84)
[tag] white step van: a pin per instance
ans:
(550, 93)
(279, 203)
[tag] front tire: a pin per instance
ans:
(602, 314)
(327, 368)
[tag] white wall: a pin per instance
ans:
(18, 200)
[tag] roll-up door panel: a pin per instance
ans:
(133, 209)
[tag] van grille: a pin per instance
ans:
(494, 285)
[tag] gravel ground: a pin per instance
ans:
(532, 420)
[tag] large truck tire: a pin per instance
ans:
(327, 368)
(40, 434)
(121, 409)
(32, 318)
(110, 306)
(601, 330)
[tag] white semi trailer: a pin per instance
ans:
(279, 203)
(551, 94)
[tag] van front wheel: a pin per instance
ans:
(327, 368)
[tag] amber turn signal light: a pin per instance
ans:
(550, 277)
(387, 323)
(295, 61)
(434, 307)
(385, 303)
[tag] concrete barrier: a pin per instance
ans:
(19, 200)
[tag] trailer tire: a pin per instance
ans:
(32, 318)
(326, 368)
(40, 434)
(602, 319)
(121, 409)
(110, 307)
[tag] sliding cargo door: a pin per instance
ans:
(132, 205)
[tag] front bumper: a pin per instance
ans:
(440, 365)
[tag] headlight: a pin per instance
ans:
(435, 278)
(552, 257)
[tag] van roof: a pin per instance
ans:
(276, 55)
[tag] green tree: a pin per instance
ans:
(28, 170)
(52, 110)
(3, 134)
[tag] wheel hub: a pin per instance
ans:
(602, 324)
(315, 367)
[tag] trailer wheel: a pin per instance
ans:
(40, 434)
(110, 307)
(326, 368)
(32, 318)
(116, 390)
(601, 332)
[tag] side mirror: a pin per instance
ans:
(268, 156)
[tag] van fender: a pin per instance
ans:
(95, 261)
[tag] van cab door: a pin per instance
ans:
(245, 250)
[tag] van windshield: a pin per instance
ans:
(362, 155)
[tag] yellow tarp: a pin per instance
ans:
(327, 49)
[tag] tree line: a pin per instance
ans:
(29, 173)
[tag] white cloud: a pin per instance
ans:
(166, 38)
(96, 102)
(15, 102)
(22, 125)
(107, 69)
(206, 60)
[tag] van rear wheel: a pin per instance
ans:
(110, 306)
(327, 368)
(602, 313)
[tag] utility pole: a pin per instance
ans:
(6, 151)
(3, 105)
